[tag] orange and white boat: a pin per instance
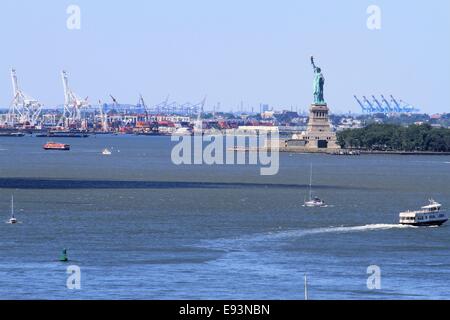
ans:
(56, 146)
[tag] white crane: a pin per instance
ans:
(198, 125)
(72, 104)
(23, 109)
(103, 118)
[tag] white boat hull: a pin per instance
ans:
(425, 223)
(314, 204)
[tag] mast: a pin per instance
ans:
(306, 288)
(12, 206)
(310, 183)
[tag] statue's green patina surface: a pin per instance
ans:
(319, 82)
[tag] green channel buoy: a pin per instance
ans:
(63, 257)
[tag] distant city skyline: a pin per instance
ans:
(253, 51)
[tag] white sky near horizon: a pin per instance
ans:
(255, 51)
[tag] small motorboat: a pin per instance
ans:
(106, 152)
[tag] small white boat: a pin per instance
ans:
(313, 202)
(182, 131)
(430, 215)
(106, 152)
(13, 219)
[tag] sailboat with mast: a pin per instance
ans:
(13, 219)
(313, 202)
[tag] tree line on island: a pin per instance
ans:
(391, 137)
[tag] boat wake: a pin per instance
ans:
(340, 229)
(324, 206)
(367, 227)
(239, 243)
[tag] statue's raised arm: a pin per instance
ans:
(313, 64)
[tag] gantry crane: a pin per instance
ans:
(23, 110)
(364, 109)
(388, 105)
(380, 107)
(72, 104)
(371, 107)
(103, 117)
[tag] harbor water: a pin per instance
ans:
(140, 227)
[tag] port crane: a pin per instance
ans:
(380, 107)
(72, 104)
(403, 106)
(141, 104)
(115, 102)
(128, 113)
(397, 105)
(198, 125)
(103, 117)
(186, 108)
(388, 105)
(23, 110)
(198, 108)
(371, 107)
(171, 107)
(363, 107)
(163, 105)
(384, 106)
(408, 107)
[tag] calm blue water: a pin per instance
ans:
(140, 227)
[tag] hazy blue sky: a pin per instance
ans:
(254, 50)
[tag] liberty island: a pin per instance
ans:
(319, 136)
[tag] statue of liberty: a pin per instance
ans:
(319, 82)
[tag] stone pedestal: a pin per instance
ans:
(319, 134)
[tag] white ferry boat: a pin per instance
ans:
(430, 215)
